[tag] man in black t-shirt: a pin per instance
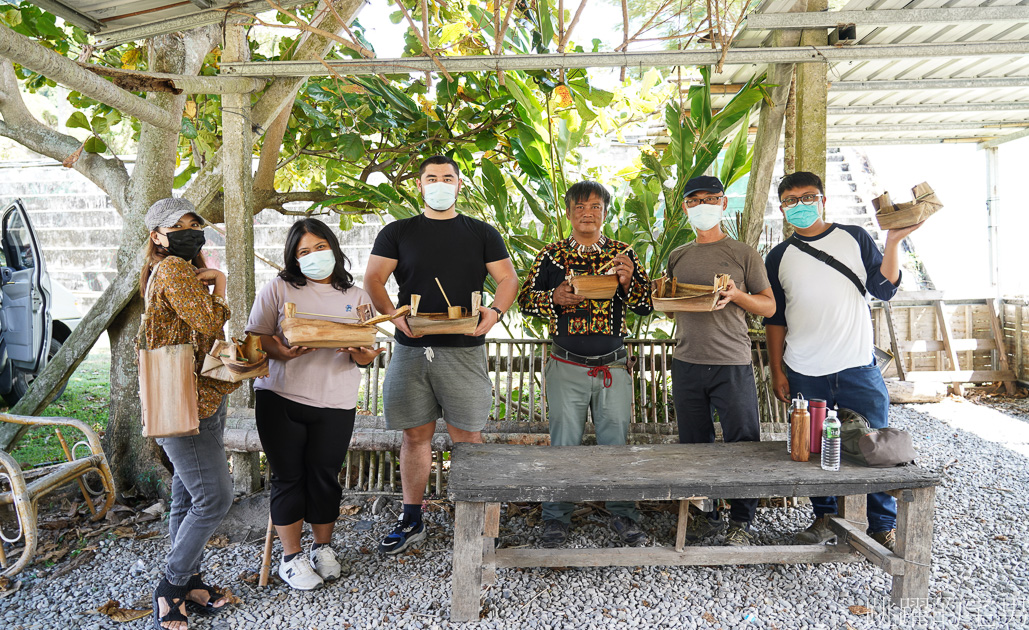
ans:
(586, 370)
(436, 375)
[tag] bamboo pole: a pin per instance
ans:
(266, 558)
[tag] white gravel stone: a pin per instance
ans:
(980, 574)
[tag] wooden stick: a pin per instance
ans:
(291, 311)
(608, 263)
(266, 559)
(449, 305)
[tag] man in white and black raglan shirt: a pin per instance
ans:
(436, 375)
(820, 338)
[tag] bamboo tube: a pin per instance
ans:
(453, 312)
(266, 559)
(608, 263)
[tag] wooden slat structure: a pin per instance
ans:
(936, 338)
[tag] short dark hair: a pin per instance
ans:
(439, 159)
(582, 191)
(800, 179)
(341, 278)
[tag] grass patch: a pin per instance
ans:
(87, 398)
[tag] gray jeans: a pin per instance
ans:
(201, 494)
(571, 393)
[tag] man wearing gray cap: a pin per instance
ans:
(711, 365)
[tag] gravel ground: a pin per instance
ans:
(980, 574)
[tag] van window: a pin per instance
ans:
(17, 243)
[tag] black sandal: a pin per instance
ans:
(172, 594)
(196, 583)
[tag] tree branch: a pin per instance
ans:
(109, 174)
(48, 63)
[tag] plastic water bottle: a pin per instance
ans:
(831, 441)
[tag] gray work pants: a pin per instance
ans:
(571, 392)
(201, 494)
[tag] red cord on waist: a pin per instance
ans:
(593, 371)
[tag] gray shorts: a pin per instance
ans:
(425, 384)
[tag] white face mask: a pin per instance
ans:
(440, 196)
(705, 216)
(318, 265)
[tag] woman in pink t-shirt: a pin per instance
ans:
(305, 407)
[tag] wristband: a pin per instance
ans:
(500, 313)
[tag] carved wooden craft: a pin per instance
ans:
(235, 360)
(457, 321)
(672, 297)
(593, 287)
(900, 215)
(320, 333)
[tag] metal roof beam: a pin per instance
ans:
(840, 142)
(894, 17)
(996, 142)
(70, 15)
(641, 59)
(928, 108)
(913, 127)
(929, 84)
(118, 36)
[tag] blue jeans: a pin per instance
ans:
(860, 389)
(201, 494)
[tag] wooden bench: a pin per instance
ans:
(484, 475)
(518, 417)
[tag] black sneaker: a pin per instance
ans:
(702, 526)
(627, 530)
(403, 536)
(555, 533)
(739, 534)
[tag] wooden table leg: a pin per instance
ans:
(915, 508)
(466, 577)
(680, 527)
(854, 508)
(491, 531)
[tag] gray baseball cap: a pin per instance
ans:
(167, 212)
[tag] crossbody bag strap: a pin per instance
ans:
(147, 292)
(826, 258)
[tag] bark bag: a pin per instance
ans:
(167, 386)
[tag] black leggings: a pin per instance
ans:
(305, 447)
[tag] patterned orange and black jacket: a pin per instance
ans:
(182, 310)
(603, 321)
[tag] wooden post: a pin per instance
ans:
(239, 235)
(466, 576)
(948, 348)
(812, 94)
(894, 346)
(680, 527)
(854, 508)
(238, 185)
(1001, 351)
(491, 531)
(1019, 361)
(766, 142)
(914, 543)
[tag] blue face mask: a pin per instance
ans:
(318, 265)
(804, 215)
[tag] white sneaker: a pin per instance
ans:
(325, 564)
(299, 574)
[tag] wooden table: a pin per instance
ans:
(484, 475)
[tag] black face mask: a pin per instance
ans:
(186, 244)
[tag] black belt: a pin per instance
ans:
(605, 359)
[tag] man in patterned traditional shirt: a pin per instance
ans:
(586, 370)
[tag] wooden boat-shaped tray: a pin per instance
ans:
(320, 333)
(594, 287)
(441, 323)
(891, 215)
(236, 361)
(670, 296)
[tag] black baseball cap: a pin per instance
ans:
(704, 183)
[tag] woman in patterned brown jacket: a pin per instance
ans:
(186, 304)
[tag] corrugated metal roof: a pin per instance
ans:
(934, 93)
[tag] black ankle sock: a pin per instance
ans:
(413, 512)
(288, 558)
(319, 546)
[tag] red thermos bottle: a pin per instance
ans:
(816, 407)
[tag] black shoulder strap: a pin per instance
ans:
(847, 272)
